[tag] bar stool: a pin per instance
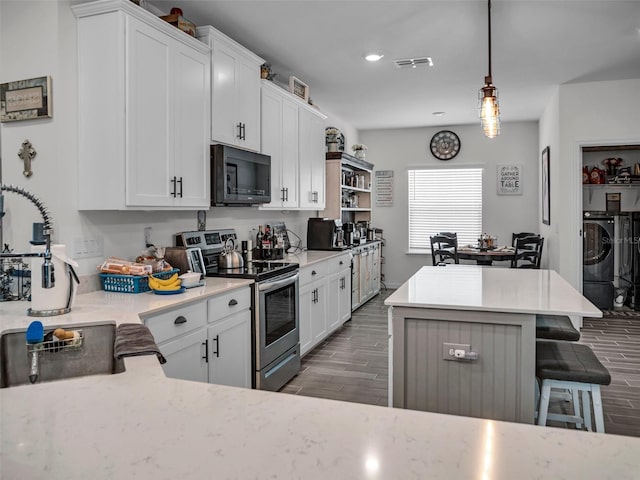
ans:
(556, 327)
(574, 367)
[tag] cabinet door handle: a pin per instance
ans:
(180, 182)
(313, 272)
(341, 262)
(287, 191)
(244, 131)
(239, 136)
(282, 197)
(180, 320)
(233, 302)
(206, 350)
(173, 181)
(217, 340)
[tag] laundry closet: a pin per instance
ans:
(611, 226)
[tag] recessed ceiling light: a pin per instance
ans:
(438, 114)
(373, 57)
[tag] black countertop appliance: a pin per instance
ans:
(325, 234)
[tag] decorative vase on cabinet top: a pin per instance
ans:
(359, 154)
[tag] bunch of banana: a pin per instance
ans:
(171, 283)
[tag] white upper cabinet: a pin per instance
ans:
(279, 132)
(143, 96)
(235, 91)
(311, 160)
(293, 135)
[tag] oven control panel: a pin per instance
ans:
(209, 241)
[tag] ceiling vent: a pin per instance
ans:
(414, 62)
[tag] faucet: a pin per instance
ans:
(48, 278)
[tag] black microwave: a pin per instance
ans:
(239, 177)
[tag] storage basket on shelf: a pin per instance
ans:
(131, 283)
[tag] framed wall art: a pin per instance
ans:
(509, 181)
(25, 99)
(546, 188)
(299, 88)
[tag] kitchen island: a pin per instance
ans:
(141, 424)
(462, 338)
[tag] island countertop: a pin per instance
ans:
(492, 289)
(141, 424)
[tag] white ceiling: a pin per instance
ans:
(537, 45)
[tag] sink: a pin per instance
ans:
(93, 357)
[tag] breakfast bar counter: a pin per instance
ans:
(462, 338)
(141, 424)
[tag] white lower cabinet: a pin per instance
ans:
(181, 335)
(230, 350)
(187, 357)
(339, 304)
(207, 341)
(325, 299)
(313, 313)
(230, 338)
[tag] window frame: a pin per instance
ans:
(409, 169)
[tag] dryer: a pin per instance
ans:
(598, 258)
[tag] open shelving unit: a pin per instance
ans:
(348, 188)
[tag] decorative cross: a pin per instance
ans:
(26, 154)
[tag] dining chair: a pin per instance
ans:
(528, 252)
(514, 236)
(444, 247)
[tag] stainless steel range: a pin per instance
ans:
(275, 307)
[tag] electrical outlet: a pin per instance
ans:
(87, 247)
(449, 350)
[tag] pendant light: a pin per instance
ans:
(488, 97)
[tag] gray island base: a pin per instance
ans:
(462, 338)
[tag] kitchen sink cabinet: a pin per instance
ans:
(181, 336)
(144, 138)
(186, 357)
(280, 140)
(208, 340)
(235, 91)
(292, 133)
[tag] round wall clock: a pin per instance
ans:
(445, 145)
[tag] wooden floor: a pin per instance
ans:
(351, 365)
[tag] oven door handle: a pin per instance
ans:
(277, 284)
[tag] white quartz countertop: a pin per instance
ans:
(140, 424)
(493, 289)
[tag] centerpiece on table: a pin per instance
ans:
(358, 150)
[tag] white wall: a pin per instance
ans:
(399, 150)
(38, 38)
(598, 113)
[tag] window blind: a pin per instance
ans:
(444, 200)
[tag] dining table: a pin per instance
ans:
(484, 256)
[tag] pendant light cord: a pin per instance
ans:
(489, 30)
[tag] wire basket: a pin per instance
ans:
(131, 283)
(50, 346)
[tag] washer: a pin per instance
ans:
(598, 258)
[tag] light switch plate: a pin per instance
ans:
(446, 347)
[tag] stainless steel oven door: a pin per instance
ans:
(277, 334)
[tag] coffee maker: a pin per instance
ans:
(349, 229)
(325, 234)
